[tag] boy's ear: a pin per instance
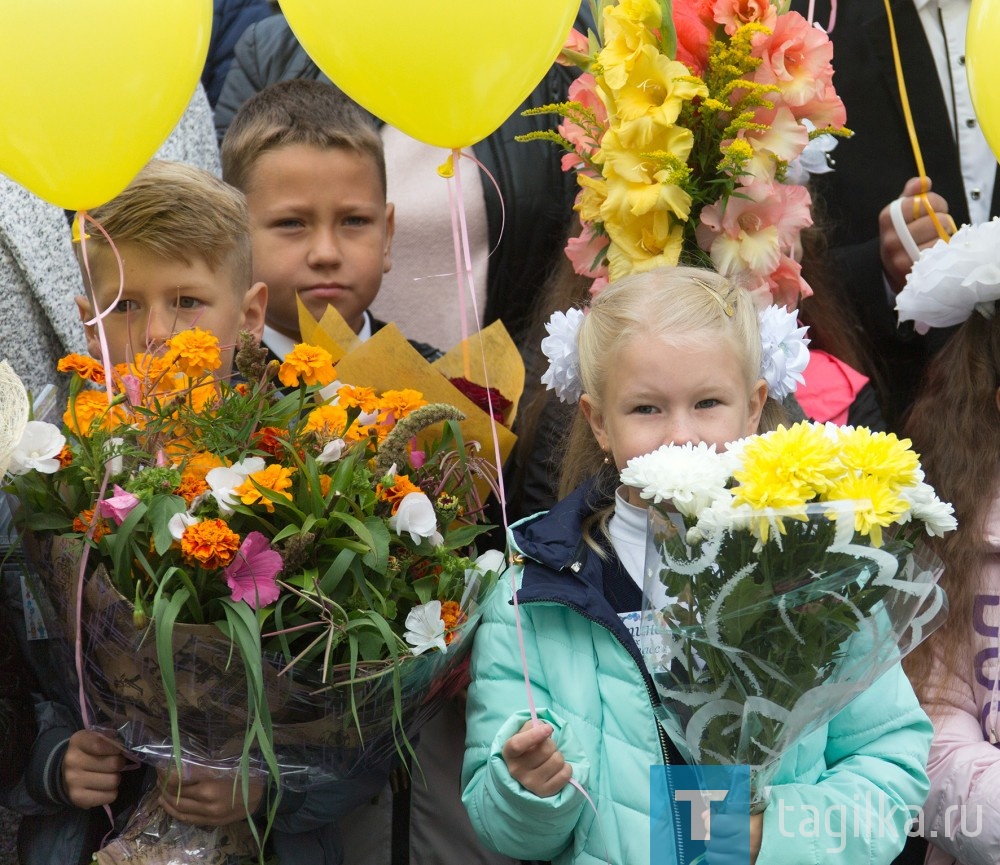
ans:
(758, 396)
(596, 420)
(254, 310)
(86, 313)
(390, 229)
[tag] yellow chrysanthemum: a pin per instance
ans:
(194, 352)
(787, 468)
(881, 455)
(307, 364)
(878, 505)
(275, 478)
(327, 420)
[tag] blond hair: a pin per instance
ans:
(681, 304)
(297, 111)
(178, 212)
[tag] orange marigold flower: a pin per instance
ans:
(399, 403)
(194, 352)
(308, 364)
(271, 440)
(452, 616)
(83, 521)
(401, 488)
(85, 367)
(325, 482)
(210, 544)
(275, 478)
(87, 408)
(242, 388)
(65, 456)
(363, 398)
(327, 420)
(190, 488)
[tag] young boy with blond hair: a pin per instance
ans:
(183, 237)
(184, 240)
(311, 165)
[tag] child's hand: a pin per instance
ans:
(726, 844)
(205, 799)
(534, 761)
(91, 769)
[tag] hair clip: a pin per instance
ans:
(728, 307)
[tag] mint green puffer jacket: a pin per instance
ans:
(841, 795)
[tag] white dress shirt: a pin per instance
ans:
(945, 23)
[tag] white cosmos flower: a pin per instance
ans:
(425, 627)
(332, 451)
(690, 476)
(416, 516)
(225, 479)
(38, 449)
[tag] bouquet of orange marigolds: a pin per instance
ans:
(687, 130)
(278, 575)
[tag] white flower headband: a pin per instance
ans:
(952, 279)
(783, 359)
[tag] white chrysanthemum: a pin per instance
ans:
(953, 278)
(723, 516)
(784, 354)
(560, 347)
(937, 516)
(690, 476)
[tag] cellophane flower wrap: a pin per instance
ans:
(783, 577)
(274, 580)
(683, 129)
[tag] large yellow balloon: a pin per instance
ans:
(982, 60)
(447, 72)
(89, 89)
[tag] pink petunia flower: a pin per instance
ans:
(252, 575)
(118, 506)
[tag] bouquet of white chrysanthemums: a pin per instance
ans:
(784, 575)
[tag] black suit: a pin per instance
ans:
(872, 167)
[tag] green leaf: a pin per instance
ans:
(161, 509)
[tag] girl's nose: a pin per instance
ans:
(681, 431)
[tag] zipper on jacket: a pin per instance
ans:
(651, 696)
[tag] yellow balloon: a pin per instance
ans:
(89, 89)
(982, 60)
(447, 72)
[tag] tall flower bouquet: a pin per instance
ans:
(783, 577)
(683, 128)
(278, 575)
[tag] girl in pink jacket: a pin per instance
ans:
(955, 426)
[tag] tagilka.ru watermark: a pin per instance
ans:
(705, 811)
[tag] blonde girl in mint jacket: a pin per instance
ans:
(670, 355)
